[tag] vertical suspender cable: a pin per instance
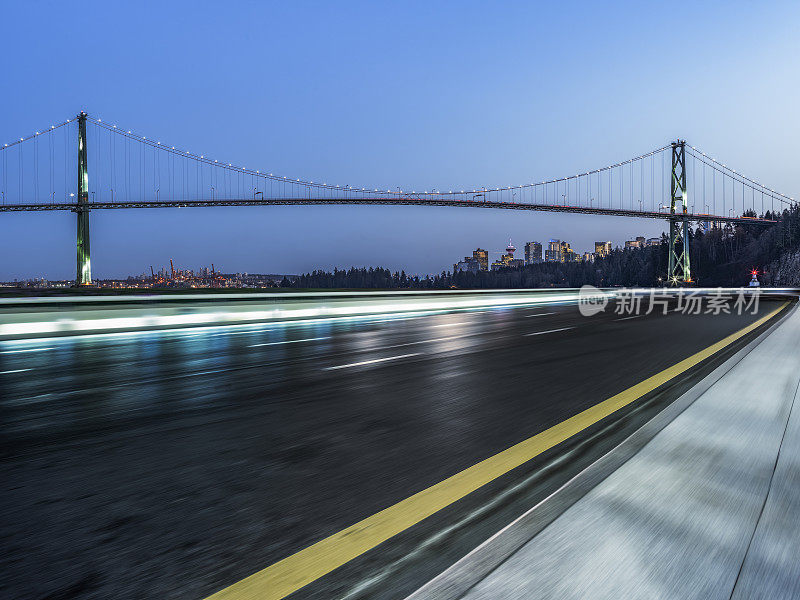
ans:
(653, 203)
(20, 167)
(36, 169)
(51, 189)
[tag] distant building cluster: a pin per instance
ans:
(479, 261)
(507, 259)
(168, 278)
(556, 251)
(640, 242)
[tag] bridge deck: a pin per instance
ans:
(387, 201)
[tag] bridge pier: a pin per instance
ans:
(679, 271)
(84, 266)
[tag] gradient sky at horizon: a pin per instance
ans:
(446, 95)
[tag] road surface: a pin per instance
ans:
(174, 464)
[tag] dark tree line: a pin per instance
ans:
(721, 257)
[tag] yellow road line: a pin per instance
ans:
(295, 571)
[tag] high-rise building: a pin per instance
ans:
(553, 252)
(482, 256)
(602, 248)
(568, 254)
(533, 253)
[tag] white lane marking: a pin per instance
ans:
(626, 318)
(453, 324)
(371, 362)
(14, 371)
(549, 331)
(441, 339)
(203, 373)
(539, 315)
(24, 351)
(289, 342)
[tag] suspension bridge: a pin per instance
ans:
(675, 182)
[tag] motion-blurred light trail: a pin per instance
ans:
(215, 310)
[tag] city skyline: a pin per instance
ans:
(163, 268)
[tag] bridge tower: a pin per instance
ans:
(679, 272)
(84, 271)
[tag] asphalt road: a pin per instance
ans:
(174, 464)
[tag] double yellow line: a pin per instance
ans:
(298, 570)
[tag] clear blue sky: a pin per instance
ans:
(415, 94)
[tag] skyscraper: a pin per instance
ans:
(482, 256)
(553, 252)
(568, 254)
(602, 248)
(533, 253)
